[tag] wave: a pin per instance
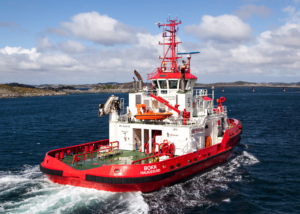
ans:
(201, 191)
(29, 191)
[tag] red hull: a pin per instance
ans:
(142, 177)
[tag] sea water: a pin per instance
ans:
(261, 176)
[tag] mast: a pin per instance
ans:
(170, 47)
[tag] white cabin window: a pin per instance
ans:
(154, 83)
(137, 99)
(163, 84)
(173, 84)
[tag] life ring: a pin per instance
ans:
(222, 99)
(194, 104)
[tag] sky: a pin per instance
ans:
(88, 42)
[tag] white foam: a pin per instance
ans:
(39, 195)
(249, 159)
(227, 200)
(194, 192)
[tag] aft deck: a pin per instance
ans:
(125, 157)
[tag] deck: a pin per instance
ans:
(119, 159)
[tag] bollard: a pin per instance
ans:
(61, 155)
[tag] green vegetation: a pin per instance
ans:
(9, 91)
(109, 87)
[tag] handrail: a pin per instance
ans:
(153, 73)
(75, 156)
(111, 147)
(147, 158)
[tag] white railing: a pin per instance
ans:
(220, 110)
(210, 110)
(123, 118)
(185, 121)
(200, 92)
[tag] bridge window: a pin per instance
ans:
(173, 84)
(154, 83)
(163, 84)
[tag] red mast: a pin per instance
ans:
(170, 53)
(170, 47)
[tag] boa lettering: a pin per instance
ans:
(153, 167)
(150, 169)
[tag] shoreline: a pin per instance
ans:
(19, 92)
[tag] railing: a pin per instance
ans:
(151, 157)
(78, 149)
(77, 155)
(200, 92)
(188, 121)
(101, 149)
(210, 110)
(123, 118)
(148, 92)
(107, 149)
(220, 109)
(154, 72)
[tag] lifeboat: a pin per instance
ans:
(150, 115)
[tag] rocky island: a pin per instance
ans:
(7, 91)
(14, 90)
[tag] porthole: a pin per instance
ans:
(117, 170)
(178, 165)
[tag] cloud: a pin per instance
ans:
(57, 31)
(225, 53)
(221, 29)
(294, 16)
(246, 11)
(44, 44)
(71, 47)
(11, 25)
(287, 35)
(100, 29)
(31, 53)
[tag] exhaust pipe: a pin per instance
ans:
(134, 84)
(140, 80)
(182, 79)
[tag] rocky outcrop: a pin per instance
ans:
(66, 88)
(116, 90)
(14, 84)
(14, 92)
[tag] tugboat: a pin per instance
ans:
(169, 132)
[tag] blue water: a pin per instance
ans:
(261, 176)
